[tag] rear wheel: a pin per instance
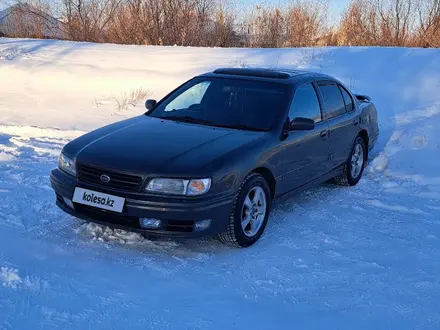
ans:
(250, 212)
(354, 167)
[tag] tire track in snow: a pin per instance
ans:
(31, 153)
(27, 141)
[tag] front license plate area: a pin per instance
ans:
(98, 200)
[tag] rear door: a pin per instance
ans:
(338, 112)
(304, 154)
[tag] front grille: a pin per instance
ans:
(118, 180)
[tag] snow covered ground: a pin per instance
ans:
(332, 258)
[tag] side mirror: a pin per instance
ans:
(302, 124)
(149, 104)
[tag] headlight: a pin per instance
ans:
(179, 186)
(67, 164)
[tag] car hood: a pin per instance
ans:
(155, 146)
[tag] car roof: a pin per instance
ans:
(281, 75)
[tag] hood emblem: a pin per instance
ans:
(105, 178)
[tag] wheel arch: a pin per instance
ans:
(268, 176)
(364, 134)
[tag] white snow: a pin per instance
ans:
(331, 258)
(9, 277)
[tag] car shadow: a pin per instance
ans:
(190, 248)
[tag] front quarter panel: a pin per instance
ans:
(230, 169)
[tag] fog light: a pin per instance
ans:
(202, 225)
(149, 223)
(68, 202)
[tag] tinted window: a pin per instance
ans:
(225, 103)
(305, 104)
(347, 99)
(333, 103)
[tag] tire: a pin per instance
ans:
(254, 184)
(349, 176)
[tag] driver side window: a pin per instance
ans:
(190, 97)
(305, 104)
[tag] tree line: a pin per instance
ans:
(216, 23)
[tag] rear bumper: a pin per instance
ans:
(178, 215)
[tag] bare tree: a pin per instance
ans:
(88, 20)
(303, 23)
(266, 28)
(31, 19)
(167, 22)
(214, 23)
(306, 23)
(378, 22)
(397, 21)
(429, 23)
(129, 25)
(359, 24)
(221, 32)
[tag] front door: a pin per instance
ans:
(304, 154)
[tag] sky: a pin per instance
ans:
(336, 9)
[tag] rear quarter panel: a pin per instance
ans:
(369, 122)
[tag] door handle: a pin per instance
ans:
(323, 133)
(355, 122)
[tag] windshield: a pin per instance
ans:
(233, 103)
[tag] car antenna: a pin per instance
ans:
(278, 59)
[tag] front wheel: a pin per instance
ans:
(354, 167)
(250, 212)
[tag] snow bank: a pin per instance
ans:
(331, 258)
(75, 85)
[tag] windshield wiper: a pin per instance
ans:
(188, 119)
(244, 127)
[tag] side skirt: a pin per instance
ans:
(330, 175)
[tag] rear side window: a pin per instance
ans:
(347, 99)
(305, 104)
(333, 103)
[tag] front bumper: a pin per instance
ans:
(177, 215)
